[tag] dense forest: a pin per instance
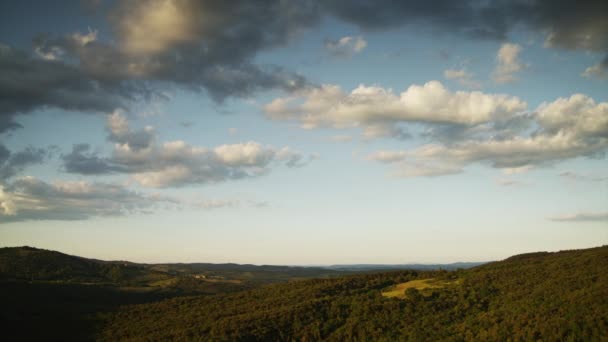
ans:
(537, 296)
(547, 296)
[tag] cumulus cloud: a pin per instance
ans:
(582, 217)
(508, 63)
(176, 163)
(29, 198)
(379, 110)
(564, 129)
(346, 46)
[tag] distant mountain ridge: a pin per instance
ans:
(375, 267)
(30, 263)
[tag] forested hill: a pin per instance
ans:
(541, 296)
(28, 263)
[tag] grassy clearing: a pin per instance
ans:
(422, 285)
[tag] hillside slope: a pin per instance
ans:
(548, 296)
(34, 264)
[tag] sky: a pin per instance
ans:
(304, 132)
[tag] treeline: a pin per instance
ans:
(548, 296)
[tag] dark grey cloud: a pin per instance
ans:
(28, 83)
(210, 46)
(570, 24)
(82, 160)
(13, 163)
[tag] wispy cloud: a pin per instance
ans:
(346, 46)
(582, 217)
(508, 63)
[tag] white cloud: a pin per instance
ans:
(508, 63)
(565, 128)
(346, 46)
(378, 110)
(176, 163)
(29, 198)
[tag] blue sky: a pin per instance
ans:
(301, 133)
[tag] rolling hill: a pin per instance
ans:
(535, 296)
(547, 296)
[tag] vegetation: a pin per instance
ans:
(541, 296)
(550, 296)
(425, 286)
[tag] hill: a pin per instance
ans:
(34, 264)
(534, 296)
(546, 296)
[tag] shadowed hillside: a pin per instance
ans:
(548, 296)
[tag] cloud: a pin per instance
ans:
(379, 110)
(463, 77)
(199, 46)
(13, 163)
(508, 63)
(28, 84)
(571, 25)
(346, 46)
(582, 217)
(120, 133)
(583, 177)
(210, 47)
(599, 70)
(85, 162)
(564, 129)
(176, 163)
(29, 198)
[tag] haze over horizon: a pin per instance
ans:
(301, 133)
